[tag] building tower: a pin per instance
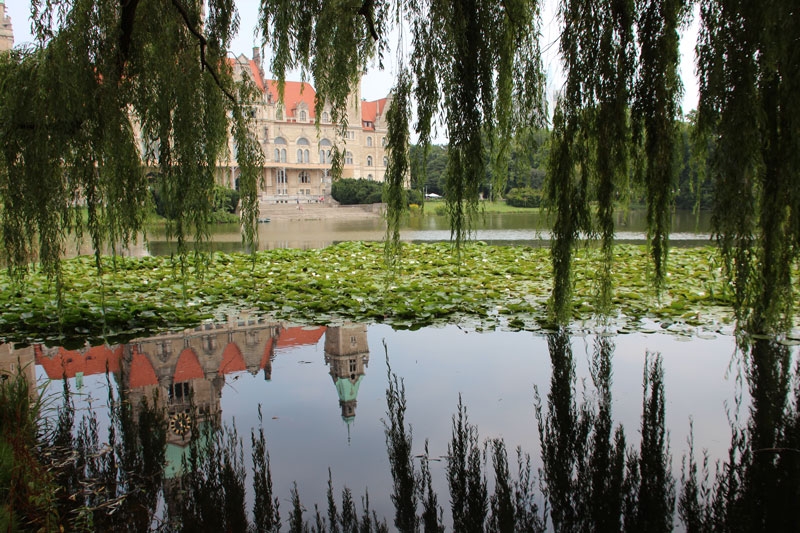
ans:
(6, 32)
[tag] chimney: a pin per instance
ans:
(257, 60)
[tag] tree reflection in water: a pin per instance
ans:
(758, 487)
(591, 478)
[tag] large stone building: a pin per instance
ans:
(297, 154)
(6, 32)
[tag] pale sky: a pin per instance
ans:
(377, 84)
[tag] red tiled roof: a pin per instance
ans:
(300, 336)
(141, 371)
(232, 360)
(256, 72)
(371, 110)
(188, 367)
(95, 360)
(294, 92)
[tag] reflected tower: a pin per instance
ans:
(347, 353)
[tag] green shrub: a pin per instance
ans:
(524, 197)
(349, 191)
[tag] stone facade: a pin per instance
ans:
(296, 153)
(6, 32)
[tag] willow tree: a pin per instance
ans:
(749, 69)
(70, 107)
(613, 103)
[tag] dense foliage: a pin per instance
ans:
(524, 197)
(351, 191)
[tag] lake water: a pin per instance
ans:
(529, 229)
(322, 391)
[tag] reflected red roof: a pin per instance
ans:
(94, 360)
(294, 92)
(232, 360)
(188, 367)
(141, 371)
(300, 336)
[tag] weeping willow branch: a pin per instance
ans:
(201, 39)
(394, 194)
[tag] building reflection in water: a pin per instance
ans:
(183, 373)
(14, 361)
(347, 353)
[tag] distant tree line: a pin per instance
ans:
(524, 183)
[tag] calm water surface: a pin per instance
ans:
(529, 229)
(322, 391)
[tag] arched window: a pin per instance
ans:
(299, 155)
(324, 151)
(348, 158)
(326, 117)
(369, 160)
(281, 176)
(303, 178)
(303, 116)
(383, 141)
(369, 141)
(279, 140)
(279, 114)
(369, 177)
(277, 155)
(385, 161)
(302, 141)
(283, 155)
(306, 156)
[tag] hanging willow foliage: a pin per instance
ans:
(104, 70)
(70, 107)
(749, 69)
(397, 146)
(591, 137)
(655, 110)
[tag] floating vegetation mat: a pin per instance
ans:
(489, 287)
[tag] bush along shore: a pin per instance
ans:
(487, 287)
